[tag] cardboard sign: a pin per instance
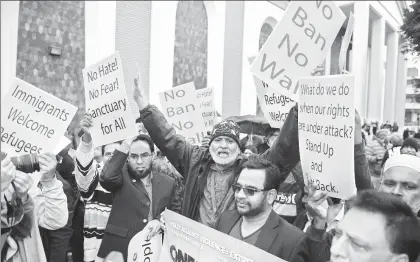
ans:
(326, 133)
(205, 98)
(182, 110)
(274, 105)
(188, 240)
(345, 44)
(32, 120)
(107, 101)
(142, 249)
(299, 43)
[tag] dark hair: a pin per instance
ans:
(273, 177)
(103, 147)
(406, 134)
(146, 139)
(402, 226)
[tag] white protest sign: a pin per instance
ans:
(326, 133)
(107, 102)
(142, 249)
(345, 43)
(205, 98)
(62, 143)
(274, 105)
(32, 120)
(299, 43)
(181, 109)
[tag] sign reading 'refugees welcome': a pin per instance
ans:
(107, 102)
(188, 240)
(182, 110)
(298, 44)
(326, 133)
(32, 120)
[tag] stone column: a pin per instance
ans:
(400, 91)
(391, 76)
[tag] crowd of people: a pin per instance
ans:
(93, 200)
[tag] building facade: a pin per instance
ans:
(412, 102)
(208, 42)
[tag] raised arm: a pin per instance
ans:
(86, 173)
(175, 147)
(50, 200)
(111, 177)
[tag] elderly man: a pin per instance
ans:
(208, 173)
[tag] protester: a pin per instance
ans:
(49, 211)
(401, 177)
(269, 139)
(254, 221)
(377, 227)
(140, 195)
(56, 242)
(409, 146)
(206, 172)
(97, 200)
(375, 151)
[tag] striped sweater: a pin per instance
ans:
(98, 201)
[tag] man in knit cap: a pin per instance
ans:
(209, 173)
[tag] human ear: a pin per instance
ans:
(271, 196)
(400, 258)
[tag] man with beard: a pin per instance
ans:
(254, 220)
(139, 195)
(208, 172)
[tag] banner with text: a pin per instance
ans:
(107, 101)
(274, 105)
(142, 249)
(326, 133)
(188, 240)
(182, 110)
(205, 98)
(32, 120)
(298, 43)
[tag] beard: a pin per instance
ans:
(224, 160)
(139, 174)
(250, 211)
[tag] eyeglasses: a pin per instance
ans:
(143, 157)
(248, 191)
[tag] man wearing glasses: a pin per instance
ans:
(254, 220)
(139, 195)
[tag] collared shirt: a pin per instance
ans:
(331, 224)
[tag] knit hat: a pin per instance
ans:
(226, 128)
(410, 142)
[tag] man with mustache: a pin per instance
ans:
(254, 221)
(140, 194)
(208, 173)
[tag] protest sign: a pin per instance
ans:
(62, 143)
(342, 58)
(205, 98)
(298, 43)
(107, 102)
(32, 120)
(142, 249)
(188, 240)
(274, 104)
(326, 133)
(181, 109)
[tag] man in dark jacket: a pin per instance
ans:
(254, 220)
(140, 195)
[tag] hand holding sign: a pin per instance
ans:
(85, 124)
(154, 227)
(314, 201)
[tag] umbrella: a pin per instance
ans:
(251, 124)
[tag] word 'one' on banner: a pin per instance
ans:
(299, 43)
(188, 240)
(205, 98)
(182, 110)
(274, 104)
(107, 101)
(326, 133)
(32, 120)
